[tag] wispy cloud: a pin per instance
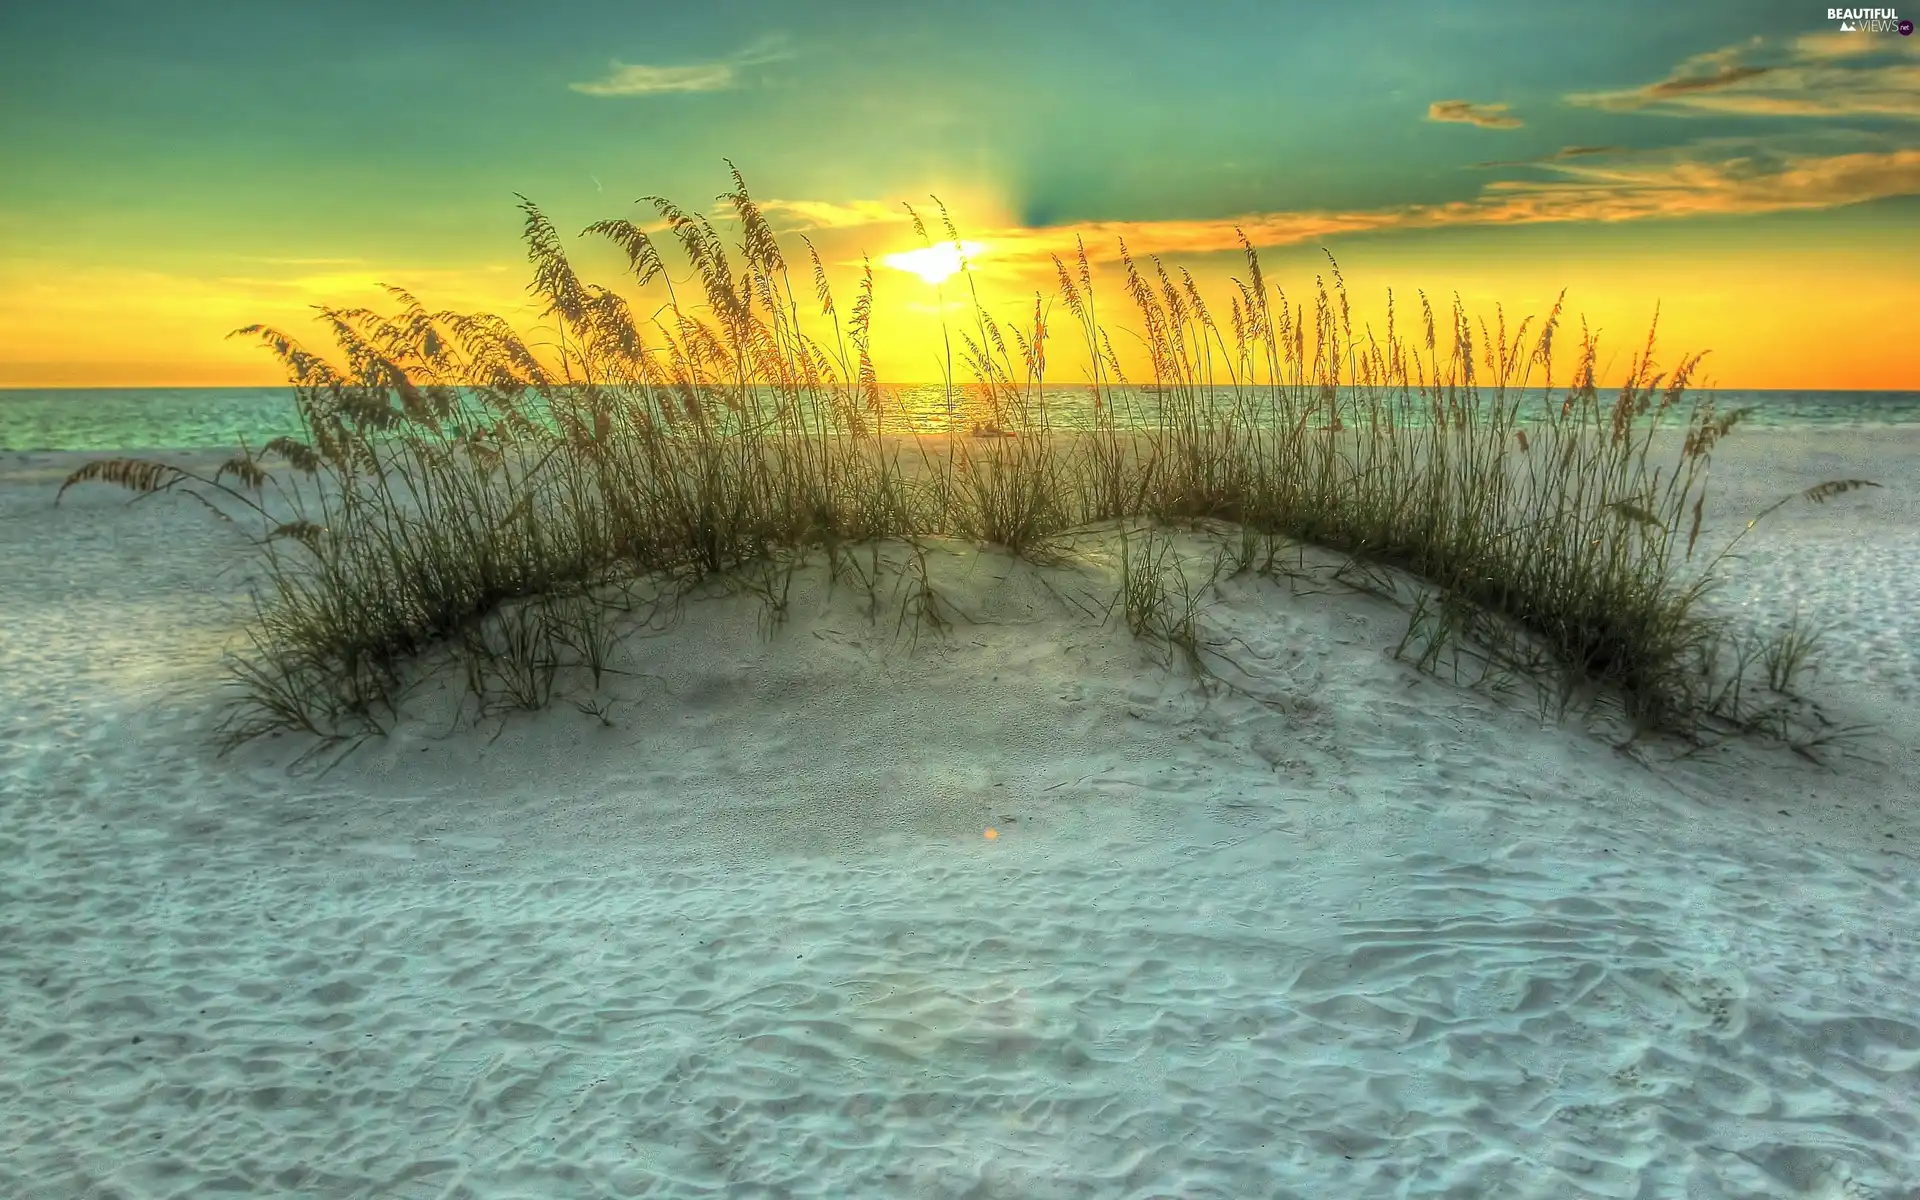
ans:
(1465, 112)
(626, 79)
(1560, 155)
(1697, 181)
(823, 214)
(1835, 45)
(1816, 75)
(1711, 179)
(631, 79)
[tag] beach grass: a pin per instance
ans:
(462, 493)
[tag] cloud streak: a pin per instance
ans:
(1560, 155)
(1816, 75)
(1465, 112)
(630, 79)
(801, 215)
(1720, 180)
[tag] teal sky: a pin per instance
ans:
(211, 141)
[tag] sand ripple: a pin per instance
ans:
(1364, 935)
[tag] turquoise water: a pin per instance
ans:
(114, 419)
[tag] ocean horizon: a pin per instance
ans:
(173, 418)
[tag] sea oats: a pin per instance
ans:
(470, 491)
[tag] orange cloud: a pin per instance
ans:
(1465, 112)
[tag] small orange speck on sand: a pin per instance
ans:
(992, 834)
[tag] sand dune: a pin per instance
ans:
(1337, 929)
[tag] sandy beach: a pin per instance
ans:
(1012, 911)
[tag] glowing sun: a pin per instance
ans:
(935, 263)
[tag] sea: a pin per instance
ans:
(122, 419)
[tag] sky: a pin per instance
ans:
(174, 171)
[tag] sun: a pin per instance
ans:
(935, 263)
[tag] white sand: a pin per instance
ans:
(1375, 936)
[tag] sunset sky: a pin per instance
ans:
(174, 170)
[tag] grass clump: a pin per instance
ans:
(456, 493)
(1160, 603)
